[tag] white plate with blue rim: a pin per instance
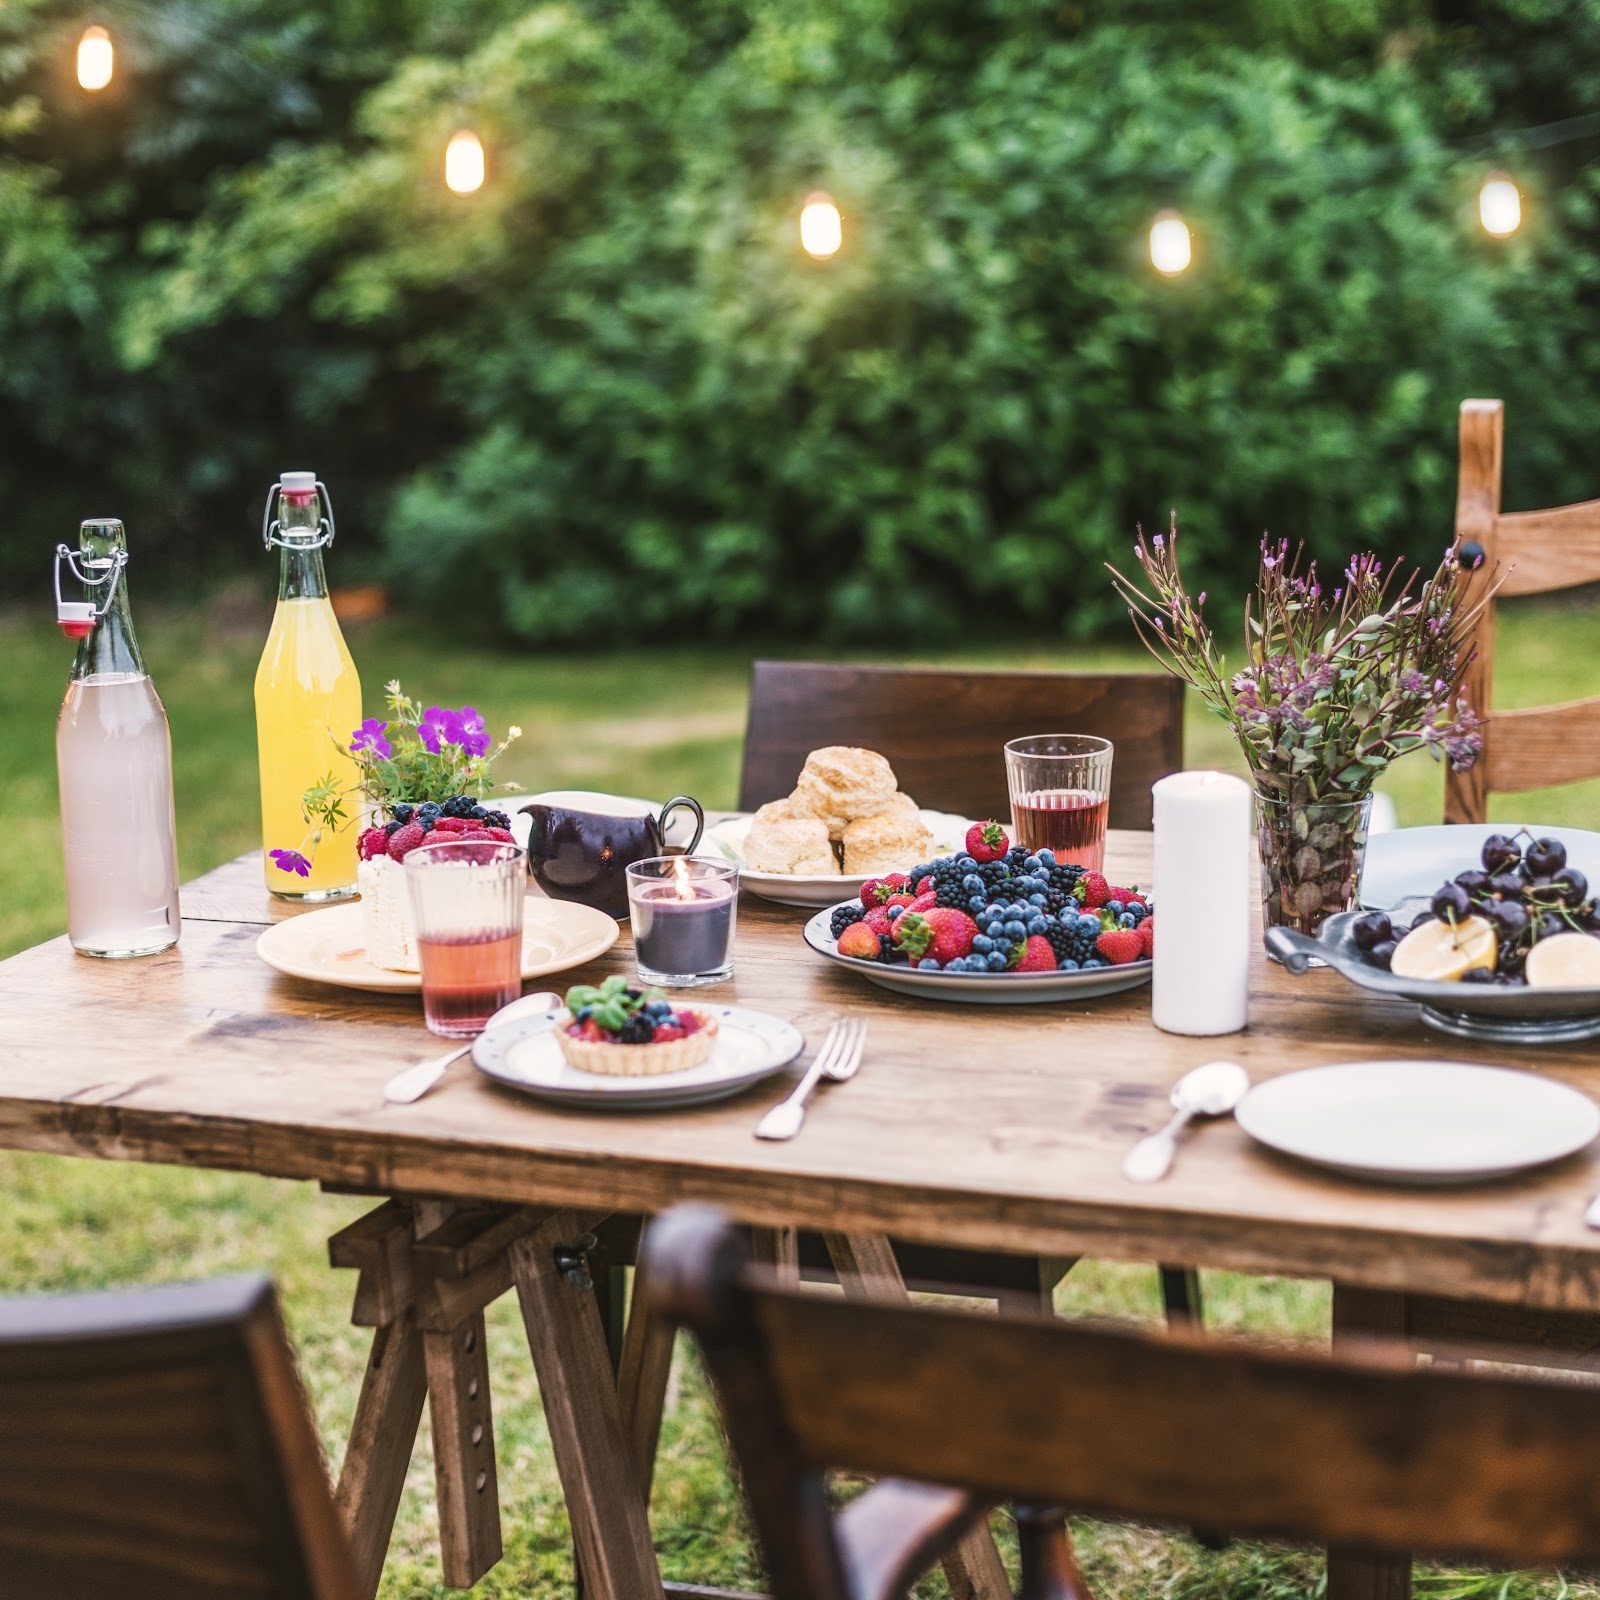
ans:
(751, 1047)
(978, 988)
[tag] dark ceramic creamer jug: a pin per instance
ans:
(583, 854)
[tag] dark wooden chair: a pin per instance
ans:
(155, 1445)
(955, 1413)
(1536, 552)
(942, 729)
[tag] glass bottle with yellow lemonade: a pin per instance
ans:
(308, 700)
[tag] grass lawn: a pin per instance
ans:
(656, 722)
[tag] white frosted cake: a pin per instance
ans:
(391, 934)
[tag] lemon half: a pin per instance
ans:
(1442, 952)
(1564, 961)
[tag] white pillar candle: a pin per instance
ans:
(1203, 903)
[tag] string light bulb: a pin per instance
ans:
(821, 227)
(97, 59)
(1171, 245)
(1499, 205)
(464, 162)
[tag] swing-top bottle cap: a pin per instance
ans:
(298, 482)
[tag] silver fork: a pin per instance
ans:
(837, 1060)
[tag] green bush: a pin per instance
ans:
(609, 395)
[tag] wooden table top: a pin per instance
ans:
(997, 1127)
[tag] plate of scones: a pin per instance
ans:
(846, 821)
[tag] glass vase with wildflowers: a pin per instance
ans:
(418, 765)
(1337, 681)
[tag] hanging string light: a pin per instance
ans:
(1171, 245)
(821, 227)
(96, 59)
(1499, 205)
(464, 162)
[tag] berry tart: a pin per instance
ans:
(624, 1032)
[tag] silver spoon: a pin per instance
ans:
(414, 1082)
(1209, 1091)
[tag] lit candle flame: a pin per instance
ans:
(680, 879)
(96, 59)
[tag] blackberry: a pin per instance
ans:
(638, 1029)
(843, 916)
(888, 950)
(497, 819)
(1064, 875)
(1063, 941)
(1054, 899)
(458, 805)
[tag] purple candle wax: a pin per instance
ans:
(683, 928)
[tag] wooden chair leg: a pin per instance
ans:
(868, 1271)
(779, 1249)
(1357, 1314)
(463, 1451)
(1180, 1297)
(1049, 1566)
(382, 1438)
(642, 1380)
(610, 1526)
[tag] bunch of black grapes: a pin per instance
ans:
(1524, 890)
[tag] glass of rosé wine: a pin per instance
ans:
(1060, 787)
(466, 896)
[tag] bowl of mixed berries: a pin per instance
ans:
(1509, 948)
(622, 1031)
(994, 922)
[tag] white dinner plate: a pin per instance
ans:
(979, 988)
(751, 1046)
(727, 838)
(1410, 863)
(1419, 1122)
(327, 945)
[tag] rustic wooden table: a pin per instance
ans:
(996, 1128)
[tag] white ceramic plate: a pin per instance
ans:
(1419, 1122)
(326, 946)
(979, 988)
(750, 1046)
(727, 837)
(1411, 863)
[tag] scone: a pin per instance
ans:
(798, 845)
(839, 783)
(901, 804)
(893, 841)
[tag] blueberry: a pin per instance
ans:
(983, 944)
(1035, 899)
(928, 964)
(1067, 964)
(659, 1008)
(402, 813)
(975, 904)
(1071, 903)
(893, 912)
(972, 881)
(583, 1013)
(1015, 929)
(1127, 920)
(1115, 907)
(965, 863)
(1047, 858)
(996, 961)
(392, 828)
(479, 813)
(429, 811)
(1037, 925)
(1088, 924)
(1096, 961)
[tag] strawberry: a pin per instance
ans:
(876, 891)
(878, 921)
(1037, 956)
(1093, 890)
(450, 825)
(987, 841)
(902, 900)
(1147, 938)
(923, 902)
(374, 842)
(1126, 896)
(666, 1032)
(1119, 946)
(860, 941)
(404, 840)
(940, 932)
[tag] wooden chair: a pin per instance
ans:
(155, 1445)
(1536, 552)
(942, 729)
(955, 1413)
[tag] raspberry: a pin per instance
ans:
(475, 833)
(450, 825)
(501, 835)
(404, 840)
(374, 842)
(666, 1032)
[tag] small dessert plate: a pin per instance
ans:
(727, 838)
(327, 946)
(751, 1046)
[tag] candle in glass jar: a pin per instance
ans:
(1204, 916)
(683, 913)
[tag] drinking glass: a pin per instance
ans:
(466, 896)
(1060, 787)
(684, 910)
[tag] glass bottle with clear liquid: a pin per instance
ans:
(114, 765)
(308, 700)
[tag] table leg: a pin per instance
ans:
(610, 1524)
(1357, 1314)
(463, 1451)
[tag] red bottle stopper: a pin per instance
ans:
(75, 618)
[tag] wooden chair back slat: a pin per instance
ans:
(942, 729)
(1548, 550)
(156, 1443)
(1529, 552)
(1366, 1450)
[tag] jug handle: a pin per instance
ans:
(699, 820)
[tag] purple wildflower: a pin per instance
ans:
(434, 728)
(372, 736)
(291, 861)
(466, 728)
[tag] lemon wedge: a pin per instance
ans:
(1564, 961)
(1442, 952)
